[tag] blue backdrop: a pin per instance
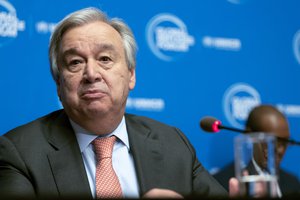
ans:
(195, 58)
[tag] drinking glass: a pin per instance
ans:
(255, 166)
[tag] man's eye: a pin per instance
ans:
(74, 62)
(74, 65)
(105, 59)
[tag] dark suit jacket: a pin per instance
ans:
(288, 183)
(43, 159)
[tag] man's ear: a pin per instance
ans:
(132, 79)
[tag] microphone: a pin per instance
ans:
(211, 124)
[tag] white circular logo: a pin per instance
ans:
(296, 46)
(238, 101)
(167, 35)
(9, 23)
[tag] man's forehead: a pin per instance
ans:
(77, 47)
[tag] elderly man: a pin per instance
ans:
(91, 148)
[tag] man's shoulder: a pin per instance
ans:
(35, 125)
(146, 121)
(136, 123)
(285, 175)
(289, 183)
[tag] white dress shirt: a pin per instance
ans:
(260, 172)
(122, 160)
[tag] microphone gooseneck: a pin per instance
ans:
(213, 125)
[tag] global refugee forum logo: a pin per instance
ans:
(167, 36)
(9, 23)
(296, 46)
(238, 101)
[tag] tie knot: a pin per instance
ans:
(104, 147)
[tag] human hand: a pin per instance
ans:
(234, 190)
(259, 190)
(157, 193)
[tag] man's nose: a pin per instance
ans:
(92, 71)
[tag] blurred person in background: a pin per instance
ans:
(268, 119)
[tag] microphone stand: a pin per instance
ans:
(231, 129)
(285, 140)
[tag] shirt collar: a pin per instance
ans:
(257, 167)
(85, 137)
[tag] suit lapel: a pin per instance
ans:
(66, 162)
(146, 151)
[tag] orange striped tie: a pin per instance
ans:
(107, 182)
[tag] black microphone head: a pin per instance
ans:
(210, 124)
